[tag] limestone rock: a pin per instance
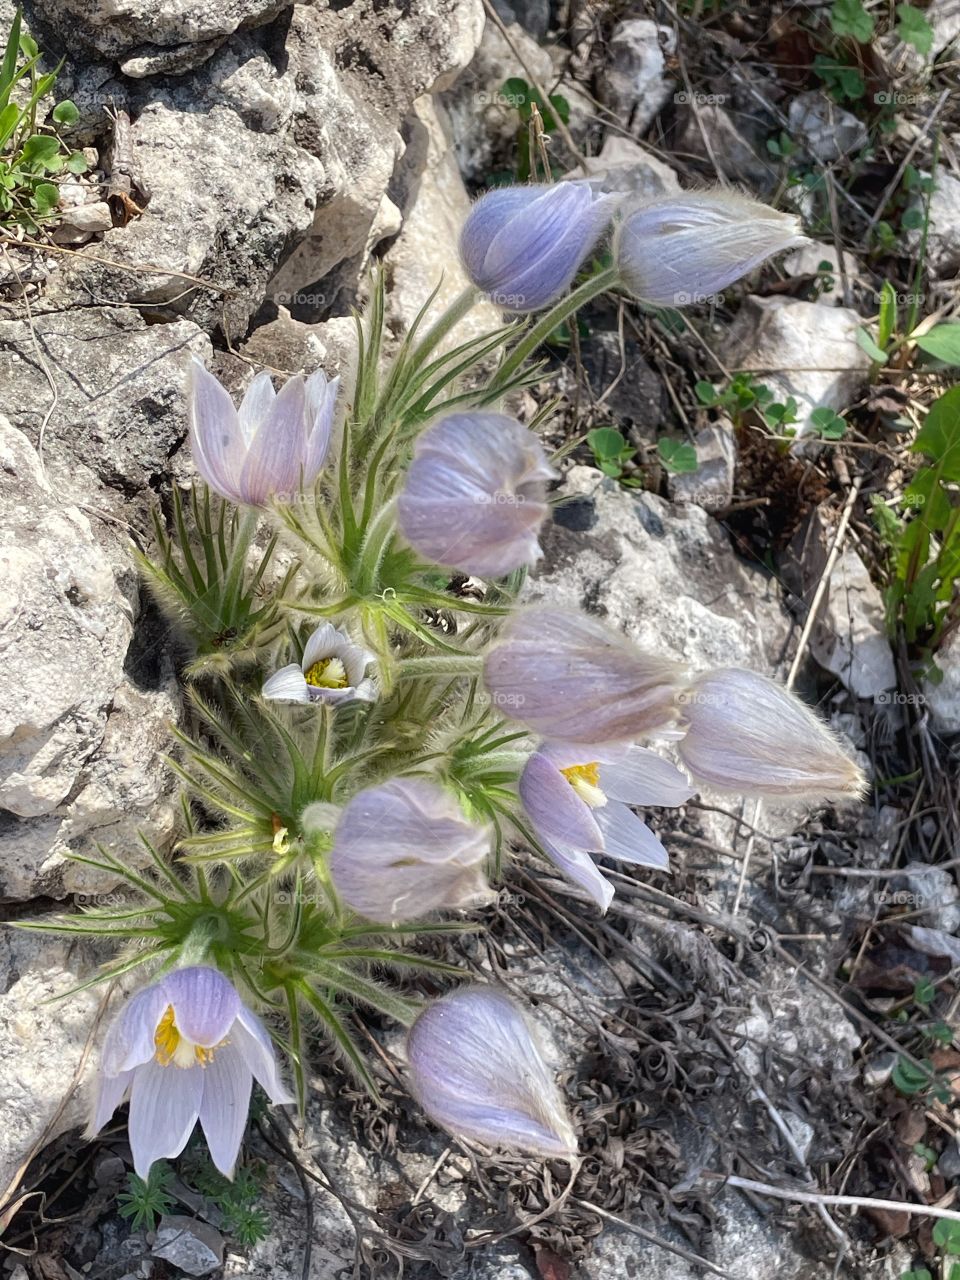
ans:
(943, 699)
(826, 130)
(711, 485)
(633, 84)
(667, 576)
(193, 1246)
(625, 166)
(799, 349)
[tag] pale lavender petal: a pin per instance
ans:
(256, 406)
(275, 458)
(205, 1004)
(475, 494)
(164, 1106)
(215, 436)
(476, 1070)
(627, 838)
(554, 808)
(321, 406)
(577, 865)
(287, 685)
(752, 736)
(324, 642)
(256, 1048)
(684, 249)
(227, 1083)
(567, 677)
(111, 1091)
(403, 849)
(487, 217)
(130, 1038)
(642, 777)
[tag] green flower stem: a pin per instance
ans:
(448, 665)
(374, 546)
(233, 584)
(196, 945)
(525, 347)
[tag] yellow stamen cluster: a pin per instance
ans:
(328, 673)
(585, 780)
(174, 1048)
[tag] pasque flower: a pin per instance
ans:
(523, 245)
(476, 1071)
(749, 735)
(475, 494)
(272, 445)
(682, 249)
(333, 669)
(185, 1048)
(577, 799)
(569, 678)
(404, 849)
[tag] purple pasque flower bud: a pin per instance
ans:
(185, 1048)
(522, 246)
(475, 494)
(577, 799)
(749, 735)
(403, 849)
(270, 447)
(333, 669)
(568, 677)
(683, 249)
(476, 1070)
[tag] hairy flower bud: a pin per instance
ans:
(568, 677)
(475, 494)
(404, 849)
(750, 735)
(523, 246)
(684, 249)
(477, 1072)
(272, 445)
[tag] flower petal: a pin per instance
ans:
(323, 643)
(255, 1046)
(130, 1039)
(642, 777)
(275, 458)
(215, 436)
(205, 1004)
(487, 217)
(554, 808)
(627, 838)
(256, 405)
(321, 407)
(164, 1106)
(225, 1104)
(287, 685)
(111, 1091)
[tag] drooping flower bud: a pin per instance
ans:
(404, 849)
(272, 445)
(477, 1072)
(332, 670)
(568, 677)
(475, 494)
(685, 248)
(749, 735)
(522, 246)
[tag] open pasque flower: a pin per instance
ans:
(571, 679)
(749, 735)
(185, 1048)
(522, 246)
(477, 1072)
(475, 494)
(682, 249)
(577, 799)
(333, 669)
(404, 849)
(275, 443)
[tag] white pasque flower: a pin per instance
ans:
(333, 669)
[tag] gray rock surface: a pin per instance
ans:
(711, 485)
(633, 83)
(943, 699)
(195, 1247)
(826, 130)
(799, 349)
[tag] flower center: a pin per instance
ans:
(328, 673)
(174, 1047)
(585, 780)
